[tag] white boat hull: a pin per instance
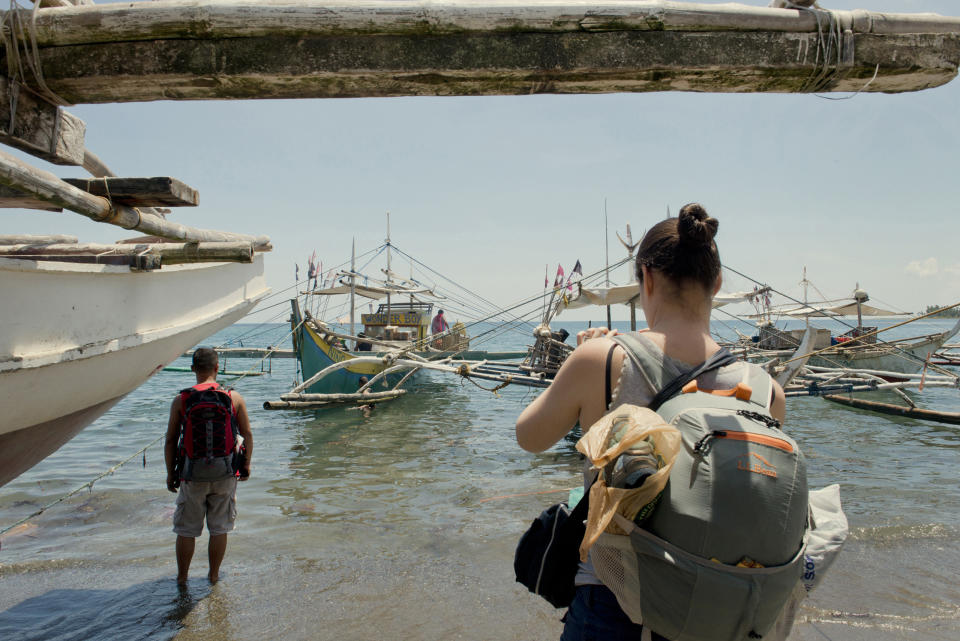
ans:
(77, 338)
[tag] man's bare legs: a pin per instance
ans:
(185, 545)
(216, 549)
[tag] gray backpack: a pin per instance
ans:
(722, 551)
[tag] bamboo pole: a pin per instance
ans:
(170, 253)
(343, 397)
(21, 239)
(47, 187)
(887, 408)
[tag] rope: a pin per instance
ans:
(88, 484)
(14, 32)
(464, 371)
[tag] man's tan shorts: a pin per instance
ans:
(217, 500)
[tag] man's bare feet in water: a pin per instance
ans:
(213, 577)
(181, 579)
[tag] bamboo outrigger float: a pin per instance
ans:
(952, 418)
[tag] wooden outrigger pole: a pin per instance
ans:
(243, 49)
(952, 418)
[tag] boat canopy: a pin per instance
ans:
(375, 293)
(586, 296)
(846, 309)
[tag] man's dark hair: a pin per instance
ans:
(205, 359)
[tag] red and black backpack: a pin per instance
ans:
(208, 424)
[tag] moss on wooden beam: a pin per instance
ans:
(492, 64)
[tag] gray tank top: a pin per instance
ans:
(646, 370)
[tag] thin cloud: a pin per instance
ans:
(953, 270)
(923, 268)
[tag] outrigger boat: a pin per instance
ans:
(857, 349)
(334, 359)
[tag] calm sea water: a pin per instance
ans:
(402, 525)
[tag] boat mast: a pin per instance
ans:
(353, 283)
(606, 240)
(806, 314)
(861, 297)
(388, 269)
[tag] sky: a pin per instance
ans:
(493, 191)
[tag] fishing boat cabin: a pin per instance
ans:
(400, 322)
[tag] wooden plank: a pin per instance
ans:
(45, 186)
(98, 169)
(39, 128)
(159, 191)
(497, 64)
(205, 49)
(11, 198)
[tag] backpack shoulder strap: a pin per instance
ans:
(718, 359)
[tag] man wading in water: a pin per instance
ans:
(207, 427)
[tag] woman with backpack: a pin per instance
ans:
(679, 271)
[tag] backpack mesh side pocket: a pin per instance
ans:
(688, 598)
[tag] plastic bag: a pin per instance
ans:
(608, 438)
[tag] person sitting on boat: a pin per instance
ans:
(204, 468)
(363, 346)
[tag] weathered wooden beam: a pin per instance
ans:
(22, 239)
(38, 127)
(214, 19)
(11, 198)
(97, 168)
(47, 187)
(159, 191)
(206, 49)
(514, 64)
(170, 253)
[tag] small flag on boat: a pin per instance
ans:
(558, 280)
(312, 270)
(577, 269)
(546, 280)
(296, 273)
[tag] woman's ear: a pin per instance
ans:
(647, 280)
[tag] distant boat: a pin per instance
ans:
(858, 348)
(334, 359)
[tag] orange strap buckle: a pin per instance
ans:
(742, 391)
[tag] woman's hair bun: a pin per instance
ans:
(695, 227)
